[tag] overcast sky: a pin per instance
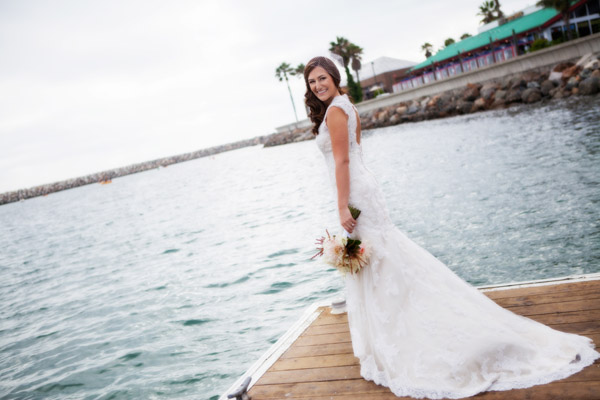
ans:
(91, 85)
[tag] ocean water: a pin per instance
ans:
(172, 282)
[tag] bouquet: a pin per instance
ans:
(342, 252)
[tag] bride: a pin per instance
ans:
(416, 326)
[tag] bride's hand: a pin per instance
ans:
(346, 220)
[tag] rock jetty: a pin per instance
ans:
(108, 175)
(563, 80)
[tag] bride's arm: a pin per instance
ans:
(337, 122)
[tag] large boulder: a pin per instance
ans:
(517, 82)
(487, 90)
(479, 104)
(561, 93)
(513, 95)
(560, 67)
(448, 109)
(547, 86)
(500, 94)
(498, 103)
(555, 76)
(531, 95)
(382, 116)
(572, 82)
(444, 99)
(585, 59)
(570, 72)
(434, 101)
(585, 73)
(464, 106)
(412, 108)
(401, 110)
(530, 76)
(505, 83)
(592, 65)
(589, 86)
(471, 92)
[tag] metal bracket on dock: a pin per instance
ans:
(242, 392)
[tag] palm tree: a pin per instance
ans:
(282, 73)
(299, 70)
(562, 6)
(499, 13)
(341, 51)
(448, 42)
(465, 35)
(486, 10)
(427, 48)
(490, 11)
(356, 58)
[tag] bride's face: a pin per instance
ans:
(322, 85)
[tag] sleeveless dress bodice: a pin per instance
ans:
(421, 330)
(365, 191)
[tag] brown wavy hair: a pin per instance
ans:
(317, 107)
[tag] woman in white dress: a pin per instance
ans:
(416, 326)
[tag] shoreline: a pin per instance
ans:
(561, 81)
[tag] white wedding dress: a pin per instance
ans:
(421, 330)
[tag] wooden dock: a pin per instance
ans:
(314, 360)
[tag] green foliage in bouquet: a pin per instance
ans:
(352, 247)
(354, 211)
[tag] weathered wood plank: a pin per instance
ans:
(567, 317)
(360, 389)
(595, 338)
(322, 374)
(326, 329)
(362, 396)
(318, 350)
(551, 391)
(323, 339)
(544, 298)
(564, 306)
(314, 389)
(526, 291)
(580, 328)
(590, 373)
(331, 319)
(311, 375)
(336, 360)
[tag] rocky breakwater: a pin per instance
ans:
(296, 135)
(108, 175)
(562, 80)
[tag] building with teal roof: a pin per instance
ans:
(497, 42)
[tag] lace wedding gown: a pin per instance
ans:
(421, 330)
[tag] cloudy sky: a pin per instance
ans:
(90, 85)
